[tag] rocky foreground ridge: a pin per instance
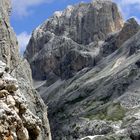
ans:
(23, 115)
(86, 65)
(16, 120)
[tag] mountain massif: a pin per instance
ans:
(85, 63)
(69, 35)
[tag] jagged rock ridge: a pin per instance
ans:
(91, 78)
(19, 109)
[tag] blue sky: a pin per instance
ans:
(28, 14)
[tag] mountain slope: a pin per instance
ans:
(91, 85)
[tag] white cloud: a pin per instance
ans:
(128, 2)
(129, 8)
(21, 7)
(23, 39)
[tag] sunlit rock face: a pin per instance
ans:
(74, 29)
(20, 103)
(89, 60)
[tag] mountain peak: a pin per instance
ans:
(82, 23)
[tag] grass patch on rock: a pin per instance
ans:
(111, 112)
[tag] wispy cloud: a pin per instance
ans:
(23, 39)
(21, 8)
(129, 8)
(128, 2)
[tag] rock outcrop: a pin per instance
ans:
(19, 109)
(16, 120)
(51, 43)
(8, 42)
(115, 40)
(89, 60)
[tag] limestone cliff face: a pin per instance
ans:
(89, 61)
(52, 42)
(20, 70)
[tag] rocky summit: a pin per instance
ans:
(68, 41)
(23, 114)
(85, 63)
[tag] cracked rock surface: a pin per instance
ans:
(61, 46)
(22, 111)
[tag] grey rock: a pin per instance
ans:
(115, 40)
(12, 65)
(13, 125)
(89, 80)
(130, 28)
(78, 25)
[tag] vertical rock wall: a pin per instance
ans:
(20, 69)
